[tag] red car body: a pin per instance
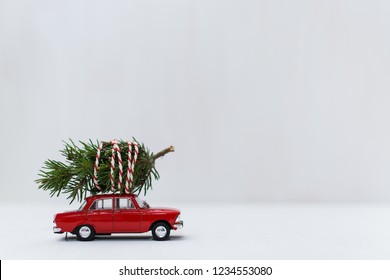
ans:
(115, 213)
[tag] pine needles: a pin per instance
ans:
(75, 176)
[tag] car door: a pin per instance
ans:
(126, 216)
(100, 215)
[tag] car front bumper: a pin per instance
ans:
(178, 224)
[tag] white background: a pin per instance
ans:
(265, 101)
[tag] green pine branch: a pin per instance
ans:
(74, 177)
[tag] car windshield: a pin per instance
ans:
(82, 206)
(142, 203)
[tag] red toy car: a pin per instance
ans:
(114, 213)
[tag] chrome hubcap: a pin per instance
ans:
(85, 232)
(161, 231)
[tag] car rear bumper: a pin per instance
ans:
(57, 230)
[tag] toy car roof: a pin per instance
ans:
(110, 195)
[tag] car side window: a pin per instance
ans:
(102, 204)
(123, 203)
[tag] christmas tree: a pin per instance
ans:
(101, 167)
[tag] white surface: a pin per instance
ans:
(214, 231)
(264, 100)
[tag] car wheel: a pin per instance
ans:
(85, 233)
(160, 231)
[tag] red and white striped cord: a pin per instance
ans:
(115, 149)
(96, 166)
(130, 165)
(131, 160)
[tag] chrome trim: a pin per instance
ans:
(178, 225)
(57, 230)
(85, 232)
(161, 231)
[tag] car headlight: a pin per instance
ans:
(178, 223)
